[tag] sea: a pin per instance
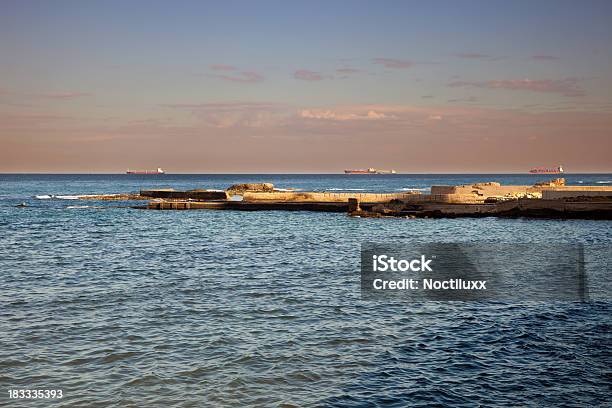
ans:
(120, 307)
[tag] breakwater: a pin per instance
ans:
(551, 199)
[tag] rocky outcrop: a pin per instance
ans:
(558, 182)
(323, 197)
(258, 187)
(114, 197)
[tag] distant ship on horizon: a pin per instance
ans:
(542, 170)
(368, 171)
(147, 172)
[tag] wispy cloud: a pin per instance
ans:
(226, 106)
(469, 99)
(62, 95)
(478, 56)
(235, 114)
(306, 75)
(243, 76)
(472, 55)
(47, 95)
(222, 67)
(393, 63)
(342, 116)
(545, 57)
(347, 71)
(566, 87)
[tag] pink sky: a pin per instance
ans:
(269, 137)
(206, 87)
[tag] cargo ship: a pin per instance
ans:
(147, 172)
(369, 171)
(542, 170)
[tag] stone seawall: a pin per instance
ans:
(572, 192)
(185, 195)
(484, 190)
(324, 197)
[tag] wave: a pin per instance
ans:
(72, 207)
(345, 189)
(604, 182)
(68, 197)
(287, 189)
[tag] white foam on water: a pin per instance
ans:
(68, 197)
(79, 196)
(345, 189)
(72, 207)
(287, 189)
(414, 189)
(604, 182)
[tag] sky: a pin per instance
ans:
(299, 87)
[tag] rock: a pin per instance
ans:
(558, 182)
(482, 186)
(241, 188)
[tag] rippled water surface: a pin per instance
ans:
(123, 307)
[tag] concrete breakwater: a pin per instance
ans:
(551, 200)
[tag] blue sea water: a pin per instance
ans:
(123, 307)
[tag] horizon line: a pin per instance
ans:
(304, 173)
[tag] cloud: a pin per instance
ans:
(566, 87)
(236, 114)
(343, 116)
(472, 55)
(222, 105)
(47, 95)
(26, 120)
(243, 76)
(222, 67)
(478, 56)
(62, 95)
(347, 71)
(306, 75)
(544, 57)
(393, 63)
(468, 99)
